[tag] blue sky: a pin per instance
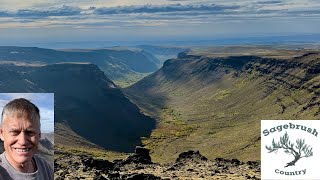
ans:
(44, 101)
(41, 21)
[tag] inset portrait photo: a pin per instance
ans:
(27, 135)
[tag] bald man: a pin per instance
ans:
(20, 133)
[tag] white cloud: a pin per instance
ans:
(2, 103)
(47, 120)
(74, 19)
(18, 4)
(29, 96)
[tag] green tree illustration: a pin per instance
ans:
(299, 150)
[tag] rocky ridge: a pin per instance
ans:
(189, 165)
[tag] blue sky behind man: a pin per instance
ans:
(44, 101)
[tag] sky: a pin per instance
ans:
(39, 21)
(44, 101)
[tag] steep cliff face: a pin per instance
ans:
(88, 106)
(215, 104)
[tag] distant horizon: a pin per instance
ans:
(259, 40)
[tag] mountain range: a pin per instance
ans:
(207, 99)
(123, 65)
(117, 64)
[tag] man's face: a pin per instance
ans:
(21, 138)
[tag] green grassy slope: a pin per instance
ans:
(215, 105)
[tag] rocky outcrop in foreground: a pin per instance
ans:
(189, 165)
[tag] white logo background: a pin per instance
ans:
(270, 162)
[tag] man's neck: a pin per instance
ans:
(27, 167)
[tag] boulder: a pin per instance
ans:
(98, 164)
(141, 156)
(191, 156)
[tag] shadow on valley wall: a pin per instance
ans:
(86, 100)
